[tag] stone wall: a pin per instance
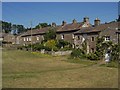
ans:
(58, 53)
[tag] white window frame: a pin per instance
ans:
(24, 39)
(29, 38)
(107, 38)
(73, 36)
(62, 36)
(37, 38)
(42, 37)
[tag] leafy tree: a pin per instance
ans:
(78, 53)
(50, 34)
(62, 43)
(115, 54)
(101, 48)
(51, 44)
(20, 28)
(84, 46)
(6, 27)
(41, 25)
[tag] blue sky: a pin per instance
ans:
(24, 12)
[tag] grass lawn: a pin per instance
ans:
(23, 69)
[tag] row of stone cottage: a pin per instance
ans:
(76, 33)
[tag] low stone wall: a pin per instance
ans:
(61, 53)
(58, 53)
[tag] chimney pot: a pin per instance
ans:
(86, 19)
(96, 22)
(64, 23)
(53, 24)
(74, 21)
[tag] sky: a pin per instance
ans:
(40, 12)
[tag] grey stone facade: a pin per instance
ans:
(75, 33)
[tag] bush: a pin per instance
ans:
(20, 47)
(62, 43)
(65, 49)
(115, 52)
(92, 56)
(47, 48)
(38, 47)
(78, 53)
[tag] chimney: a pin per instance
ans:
(64, 23)
(96, 22)
(86, 19)
(53, 24)
(74, 21)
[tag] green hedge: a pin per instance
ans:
(78, 53)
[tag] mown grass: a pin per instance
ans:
(113, 64)
(22, 69)
(82, 61)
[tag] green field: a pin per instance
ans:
(22, 69)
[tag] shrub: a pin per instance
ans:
(92, 56)
(51, 45)
(47, 48)
(38, 47)
(50, 34)
(20, 47)
(77, 53)
(65, 49)
(115, 52)
(62, 43)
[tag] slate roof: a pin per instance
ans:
(74, 27)
(59, 28)
(99, 28)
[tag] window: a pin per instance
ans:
(43, 37)
(29, 38)
(92, 39)
(78, 37)
(37, 38)
(107, 38)
(92, 50)
(62, 36)
(24, 39)
(73, 36)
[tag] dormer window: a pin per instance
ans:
(107, 38)
(62, 36)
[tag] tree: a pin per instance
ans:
(62, 43)
(102, 46)
(84, 46)
(50, 34)
(115, 52)
(6, 27)
(41, 25)
(51, 45)
(20, 28)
